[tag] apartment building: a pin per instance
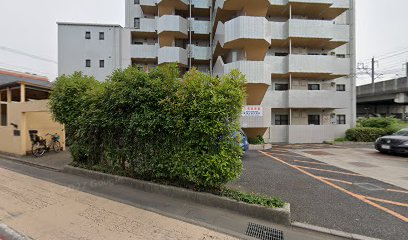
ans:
(298, 56)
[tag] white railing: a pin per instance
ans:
(144, 51)
(172, 55)
(319, 29)
(200, 27)
(172, 23)
(199, 52)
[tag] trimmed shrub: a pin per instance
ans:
(379, 122)
(365, 134)
(155, 126)
(256, 141)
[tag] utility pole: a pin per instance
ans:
(373, 74)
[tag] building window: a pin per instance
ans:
(280, 54)
(88, 63)
(314, 87)
(281, 86)
(87, 35)
(137, 23)
(341, 87)
(101, 36)
(137, 1)
(101, 63)
(341, 55)
(341, 119)
(3, 111)
(313, 119)
(281, 119)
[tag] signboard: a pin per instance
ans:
(252, 111)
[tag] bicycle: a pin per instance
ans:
(39, 144)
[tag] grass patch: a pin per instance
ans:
(250, 198)
(341, 140)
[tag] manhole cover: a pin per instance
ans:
(263, 232)
(369, 186)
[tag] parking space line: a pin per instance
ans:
(359, 197)
(330, 171)
(398, 191)
(275, 150)
(336, 180)
(317, 163)
(289, 155)
(387, 201)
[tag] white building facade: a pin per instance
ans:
(298, 56)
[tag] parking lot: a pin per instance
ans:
(324, 189)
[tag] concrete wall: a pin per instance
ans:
(32, 115)
(74, 49)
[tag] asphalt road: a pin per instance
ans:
(213, 218)
(327, 196)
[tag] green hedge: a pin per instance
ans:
(365, 134)
(378, 122)
(155, 125)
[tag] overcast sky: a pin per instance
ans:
(29, 26)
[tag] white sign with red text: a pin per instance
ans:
(252, 111)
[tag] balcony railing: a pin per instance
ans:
(318, 29)
(319, 64)
(324, 99)
(172, 55)
(200, 27)
(172, 23)
(144, 51)
(199, 52)
(255, 71)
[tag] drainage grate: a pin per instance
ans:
(263, 232)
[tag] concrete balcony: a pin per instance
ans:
(256, 72)
(172, 24)
(185, 2)
(318, 29)
(243, 28)
(200, 27)
(259, 118)
(200, 53)
(318, 65)
(144, 51)
(172, 55)
(206, 4)
(147, 25)
(325, 99)
(148, 3)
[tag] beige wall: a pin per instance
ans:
(32, 115)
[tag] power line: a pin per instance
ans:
(22, 68)
(27, 54)
(367, 60)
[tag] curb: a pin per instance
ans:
(265, 146)
(278, 215)
(16, 159)
(332, 232)
(8, 233)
